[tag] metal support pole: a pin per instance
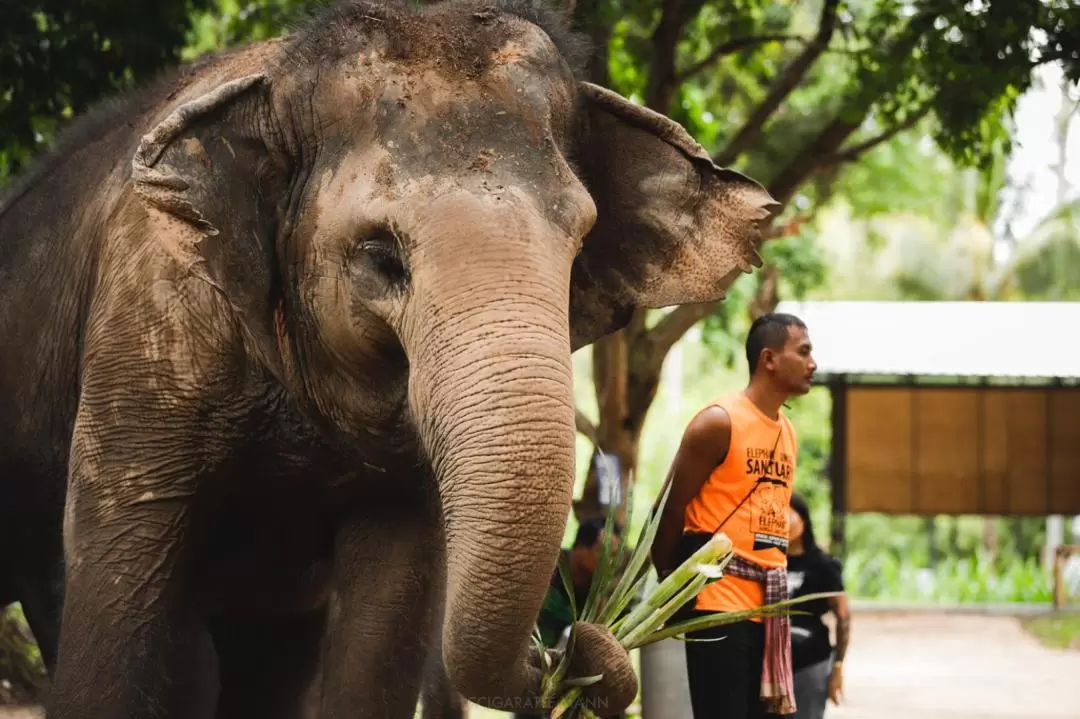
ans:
(838, 466)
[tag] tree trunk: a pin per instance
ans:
(618, 432)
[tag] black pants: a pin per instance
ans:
(725, 675)
(542, 716)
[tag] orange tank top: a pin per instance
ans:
(759, 448)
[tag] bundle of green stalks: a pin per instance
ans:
(646, 622)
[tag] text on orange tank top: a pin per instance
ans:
(762, 453)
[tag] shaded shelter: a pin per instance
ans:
(949, 407)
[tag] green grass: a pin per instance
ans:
(1059, 631)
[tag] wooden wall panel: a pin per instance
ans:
(1026, 477)
(879, 462)
(995, 486)
(963, 450)
(1064, 437)
(947, 461)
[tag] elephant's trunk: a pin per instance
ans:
(491, 389)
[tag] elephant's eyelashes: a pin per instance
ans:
(378, 259)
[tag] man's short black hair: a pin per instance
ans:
(589, 531)
(770, 330)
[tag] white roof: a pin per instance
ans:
(968, 339)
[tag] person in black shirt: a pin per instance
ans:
(817, 664)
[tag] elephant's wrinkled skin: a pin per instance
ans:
(286, 356)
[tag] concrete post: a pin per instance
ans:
(665, 693)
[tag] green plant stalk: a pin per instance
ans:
(553, 681)
(638, 587)
(678, 588)
(566, 703)
(632, 578)
(569, 700)
(659, 617)
(718, 545)
(642, 626)
(719, 619)
(593, 611)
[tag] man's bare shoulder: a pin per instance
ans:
(710, 428)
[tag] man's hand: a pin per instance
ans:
(836, 683)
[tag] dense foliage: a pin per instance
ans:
(57, 57)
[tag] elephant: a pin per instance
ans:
(286, 373)
(439, 698)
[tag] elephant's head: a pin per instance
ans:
(425, 209)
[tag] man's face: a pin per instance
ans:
(793, 366)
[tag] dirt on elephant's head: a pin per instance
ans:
(462, 37)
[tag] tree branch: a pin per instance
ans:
(852, 153)
(585, 426)
(789, 79)
(731, 47)
(665, 41)
(673, 326)
(826, 142)
(767, 295)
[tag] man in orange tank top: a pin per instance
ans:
(734, 472)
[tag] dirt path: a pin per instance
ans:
(970, 667)
(929, 666)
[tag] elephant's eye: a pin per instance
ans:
(380, 252)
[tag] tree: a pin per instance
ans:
(1045, 264)
(57, 57)
(794, 94)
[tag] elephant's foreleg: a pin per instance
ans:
(388, 579)
(440, 700)
(267, 665)
(131, 645)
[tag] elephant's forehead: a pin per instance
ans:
(426, 127)
(375, 181)
(374, 184)
(519, 94)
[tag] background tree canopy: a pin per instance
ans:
(59, 56)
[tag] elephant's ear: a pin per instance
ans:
(672, 228)
(209, 169)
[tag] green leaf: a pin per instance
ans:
(720, 619)
(631, 581)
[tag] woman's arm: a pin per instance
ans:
(840, 607)
(842, 610)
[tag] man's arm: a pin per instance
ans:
(704, 445)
